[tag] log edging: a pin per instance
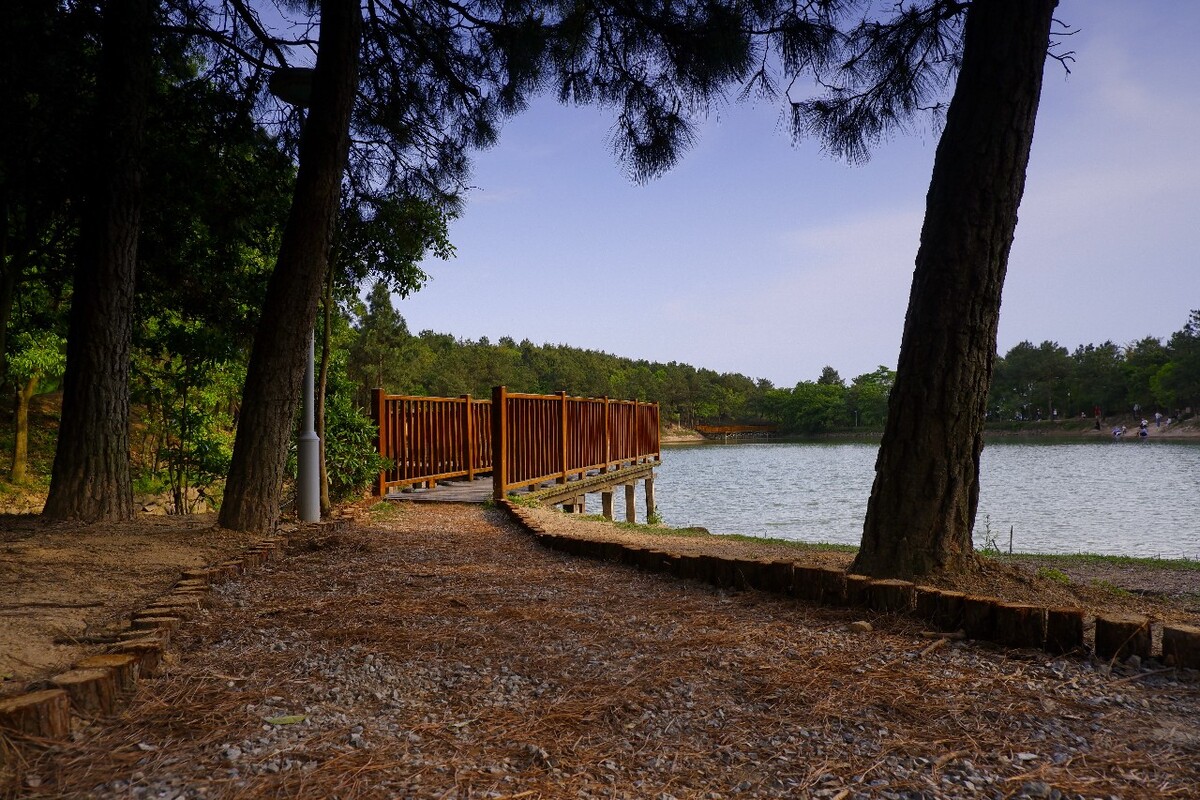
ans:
(1055, 630)
(98, 684)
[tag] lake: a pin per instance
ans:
(1133, 497)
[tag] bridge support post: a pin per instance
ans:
(606, 503)
(630, 505)
(499, 442)
(650, 507)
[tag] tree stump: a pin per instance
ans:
(45, 714)
(201, 599)
(1064, 630)
(857, 592)
(654, 561)
(1181, 645)
(925, 599)
(804, 584)
(202, 575)
(948, 612)
(611, 551)
(124, 668)
(829, 587)
(192, 583)
(93, 692)
(777, 577)
(891, 596)
(720, 571)
(979, 617)
(149, 653)
(691, 567)
(1122, 636)
(746, 573)
(1020, 624)
(166, 609)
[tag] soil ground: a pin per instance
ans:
(62, 585)
(438, 651)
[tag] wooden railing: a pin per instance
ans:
(539, 438)
(428, 439)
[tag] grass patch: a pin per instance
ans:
(384, 509)
(1111, 588)
(1066, 561)
(1052, 574)
(524, 500)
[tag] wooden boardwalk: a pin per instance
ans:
(464, 491)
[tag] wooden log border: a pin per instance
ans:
(1054, 630)
(100, 683)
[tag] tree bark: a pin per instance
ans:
(926, 491)
(21, 435)
(322, 381)
(276, 370)
(90, 480)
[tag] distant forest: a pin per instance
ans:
(1031, 381)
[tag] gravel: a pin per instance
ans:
(439, 652)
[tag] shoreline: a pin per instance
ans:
(1065, 430)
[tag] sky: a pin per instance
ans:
(758, 256)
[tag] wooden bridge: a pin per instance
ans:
(554, 448)
(735, 431)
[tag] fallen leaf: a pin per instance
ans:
(290, 719)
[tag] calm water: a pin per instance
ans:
(1125, 498)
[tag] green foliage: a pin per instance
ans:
(524, 500)
(1030, 383)
(1052, 574)
(351, 460)
(387, 237)
(36, 357)
(1111, 588)
(187, 392)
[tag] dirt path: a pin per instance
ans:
(61, 584)
(442, 653)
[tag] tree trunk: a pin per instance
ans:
(322, 380)
(21, 434)
(922, 507)
(276, 370)
(90, 480)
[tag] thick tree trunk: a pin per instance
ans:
(90, 480)
(276, 370)
(922, 507)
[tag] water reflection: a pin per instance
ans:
(1126, 498)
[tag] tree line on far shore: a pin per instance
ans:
(1151, 374)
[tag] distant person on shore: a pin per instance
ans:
(1117, 433)
(1157, 418)
(1143, 432)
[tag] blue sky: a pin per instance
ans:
(756, 256)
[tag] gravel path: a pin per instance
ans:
(440, 653)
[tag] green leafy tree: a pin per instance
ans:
(867, 397)
(1179, 381)
(32, 360)
(1144, 359)
(1099, 380)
